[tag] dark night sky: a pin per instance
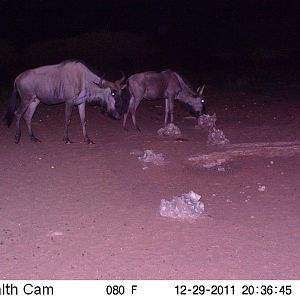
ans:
(195, 28)
(270, 22)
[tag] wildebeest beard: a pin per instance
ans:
(119, 105)
(103, 107)
(194, 112)
(100, 103)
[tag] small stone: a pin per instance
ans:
(54, 233)
(261, 188)
(150, 156)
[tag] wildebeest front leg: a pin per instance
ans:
(68, 112)
(81, 108)
(171, 106)
(28, 116)
(133, 104)
(166, 111)
(125, 120)
(133, 108)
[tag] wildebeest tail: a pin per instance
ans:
(125, 99)
(11, 107)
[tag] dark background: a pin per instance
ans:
(234, 43)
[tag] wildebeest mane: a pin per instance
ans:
(91, 68)
(71, 60)
(185, 85)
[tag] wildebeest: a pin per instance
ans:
(156, 85)
(70, 82)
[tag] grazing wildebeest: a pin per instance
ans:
(70, 82)
(156, 85)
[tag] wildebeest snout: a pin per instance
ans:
(114, 115)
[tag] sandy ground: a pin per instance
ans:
(92, 211)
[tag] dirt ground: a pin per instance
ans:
(92, 211)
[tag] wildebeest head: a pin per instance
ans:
(111, 96)
(116, 92)
(197, 103)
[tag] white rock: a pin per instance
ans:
(169, 130)
(261, 188)
(186, 207)
(150, 156)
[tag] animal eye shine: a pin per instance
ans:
(112, 93)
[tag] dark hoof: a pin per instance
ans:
(34, 139)
(89, 142)
(17, 139)
(181, 140)
(67, 142)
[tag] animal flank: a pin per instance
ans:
(69, 82)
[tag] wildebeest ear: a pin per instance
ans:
(100, 84)
(95, 83)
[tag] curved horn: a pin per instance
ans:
(122, 78)
(199, 92)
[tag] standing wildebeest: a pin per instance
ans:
(70, 82)
(156, 85)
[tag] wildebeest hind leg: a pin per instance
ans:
(19, 113)
(132, 108)
(28, 117)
